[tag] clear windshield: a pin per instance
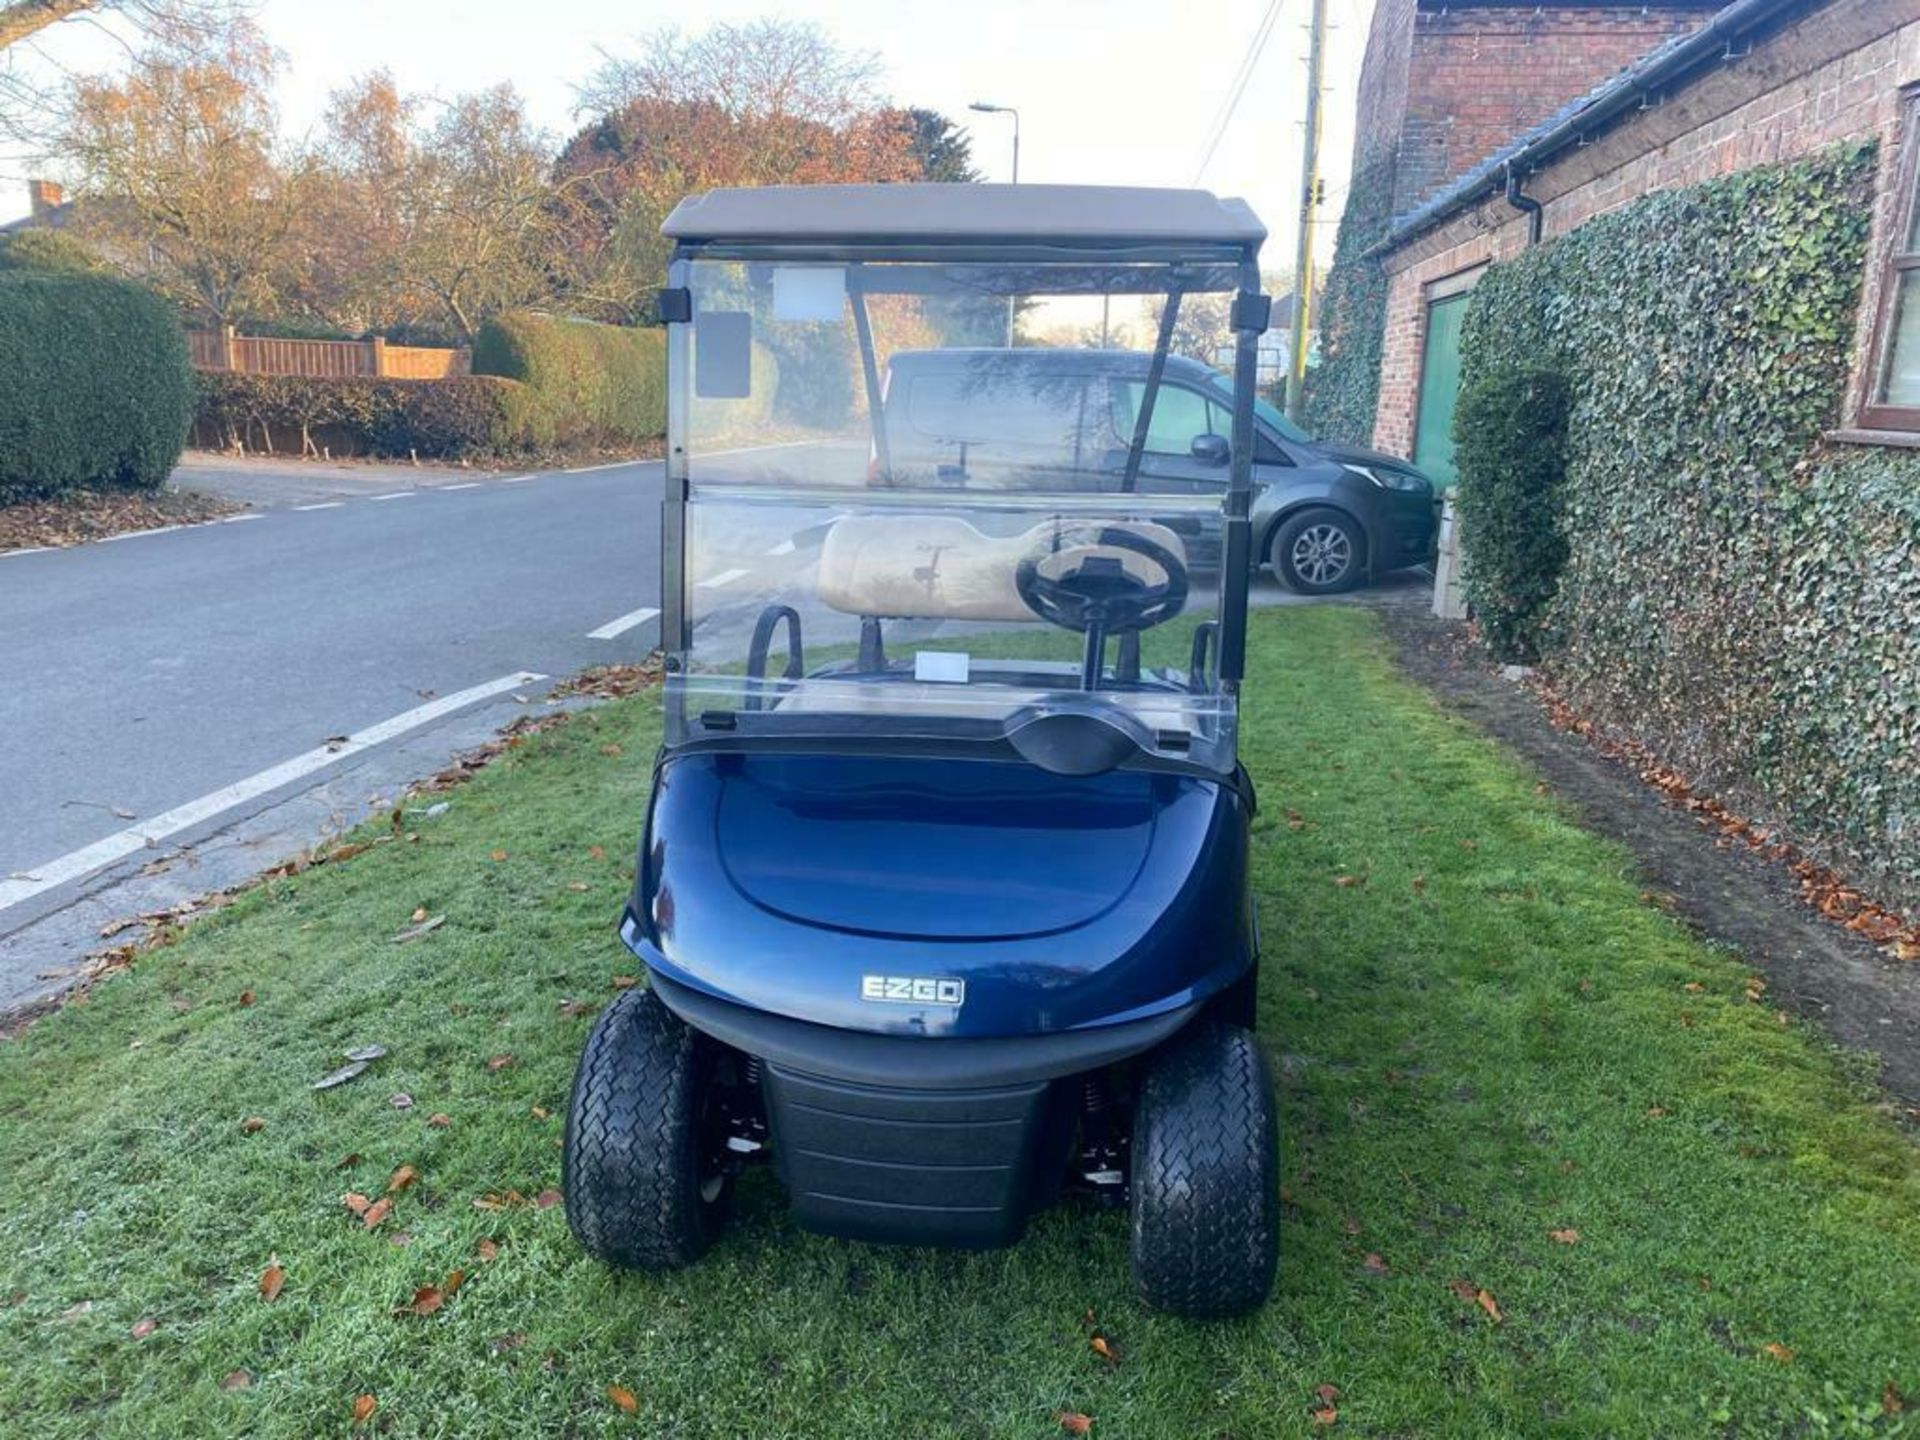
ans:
(923, 502)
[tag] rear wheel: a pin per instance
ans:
(1318, 552)
(1205, 1187)
(646, 1182)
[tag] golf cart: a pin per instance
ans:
(942, 894)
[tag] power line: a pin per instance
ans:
(1223, 117)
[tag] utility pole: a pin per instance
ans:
(1309, 213)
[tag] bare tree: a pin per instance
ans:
(181, 174)
(30, 74)
(477, 212)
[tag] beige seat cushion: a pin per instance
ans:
(938, 567)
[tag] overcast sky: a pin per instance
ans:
(1109, 91)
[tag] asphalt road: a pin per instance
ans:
(160, 669)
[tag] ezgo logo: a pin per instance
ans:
(913, 989)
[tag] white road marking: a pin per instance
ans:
(785, 547)
(136, 534)
(610, 465)
(518, 479)
(323, 505)
(753, 449)
(725, 577)
(136, 838)
(393, 495)
(236, 519)
(464, 485)
(27, 550)
(623, 624)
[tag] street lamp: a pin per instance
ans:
(985, 109)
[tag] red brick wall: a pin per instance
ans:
(1836, 74)
(1480, 76)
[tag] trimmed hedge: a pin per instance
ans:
(1737, 596)
(467, 418)
(97, 391)
(50, 251)
(589, 384)
(1510, 429)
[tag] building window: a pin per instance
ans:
(1894, 403)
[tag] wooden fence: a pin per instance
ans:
(323, 359)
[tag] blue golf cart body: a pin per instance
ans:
(944, 874)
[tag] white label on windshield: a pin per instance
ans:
(809, 292)
(947, 667)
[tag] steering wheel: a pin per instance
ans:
(1067, 582)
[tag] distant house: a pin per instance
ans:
(48, 209)
(1486, 126)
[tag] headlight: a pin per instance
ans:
(1388, 479)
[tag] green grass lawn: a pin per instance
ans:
(1485, 1037)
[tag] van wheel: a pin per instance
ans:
(644, 1171)
(1205, 1187)
(1318, 552)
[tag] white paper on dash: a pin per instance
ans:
(946, 667)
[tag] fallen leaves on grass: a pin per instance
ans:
(597, 852)
(624, 1398)
(376, 1213)
(487, 1250)
(236, 1380)
(1375, 1263)
(429, 1298)
(246, 997)
(1892, 1402)
(401, 1179)
(1564, 1237)
(252, 1125)
(547, 1199)
(500, 1062)
(363, 1408)
(400, 1100)
(613, 682)
(1467, 1290)
(1104, 1348)
(1347, 882)
(439, 1120)
(1074, 1423)
(272, 1281)
(1774, 1350)
(144, 1327)
(497, 856)
(625, 982)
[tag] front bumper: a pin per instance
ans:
(918, 1141)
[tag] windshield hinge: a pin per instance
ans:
(1251, 312)
(675, 305)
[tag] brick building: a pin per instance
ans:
(1474, 113)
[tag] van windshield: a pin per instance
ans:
(923, 500)
(1271, 415)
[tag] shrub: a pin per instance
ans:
(49, 251)
(1510, 430)
(589, 383)
(465, 418)
(97, 390)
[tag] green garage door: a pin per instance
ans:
(1439, 388)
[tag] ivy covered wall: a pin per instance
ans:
(1343, 390)
(1736, 595)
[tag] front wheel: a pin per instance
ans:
(1318, 552)
(1205, 1190)
(645, 1181)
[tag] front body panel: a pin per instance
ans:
(933, 897)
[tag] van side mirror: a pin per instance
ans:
(1211, 449)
